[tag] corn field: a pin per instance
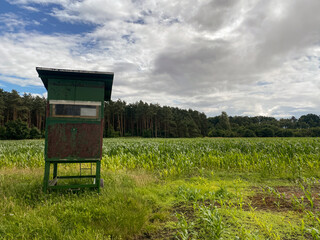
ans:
(286, 158)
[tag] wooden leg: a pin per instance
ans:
(46, 176)
(55, 170)
(98, 175)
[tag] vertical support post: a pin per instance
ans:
(55, 170)
(46, 176)
(98, 175)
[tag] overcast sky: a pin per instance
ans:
(246, 57)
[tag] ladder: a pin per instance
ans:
(86, 168)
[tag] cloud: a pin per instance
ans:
(259, 45)
(213, 15)
(243, 57)
(22, 52)
(29, 8)
(32, 94)
(10, 21)
(15, 80)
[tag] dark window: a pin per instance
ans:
(75, 110)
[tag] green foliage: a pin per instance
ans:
(17, 130)
(211, 223)
(306, 126)
(284, 133)
(287, 158)
(35, 133)
(152, 120)
(27, 108)
(118, 212)
(265, 132)
(110, 133)
(309, 120)
(188, 194)
(221, 133)
(146, 134)
(249, 133)
(223, 122)
(22, 154)
(2, 132)
(315, 233)
(165, 188)
(185, 230)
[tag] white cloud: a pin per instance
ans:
(16, 80)
(244, 57)
(11, 21)
(32, 94)
(32, 9)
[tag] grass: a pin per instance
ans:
(169, 189)
(27, 213)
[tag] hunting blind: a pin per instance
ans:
(74, 123)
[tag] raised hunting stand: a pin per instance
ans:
(74, 122)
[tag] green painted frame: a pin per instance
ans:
(51, 184)
(73, 85)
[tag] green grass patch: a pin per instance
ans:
(169, 189)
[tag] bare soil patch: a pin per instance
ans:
(285, 198)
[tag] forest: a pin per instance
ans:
(23, 116)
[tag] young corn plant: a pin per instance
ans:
(185, 230)
(189, 194)
(212, 226)
(308, 193)
(314, 218)
(245, 234)
(297, 203)
(314, 232)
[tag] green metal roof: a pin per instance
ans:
(78, 75)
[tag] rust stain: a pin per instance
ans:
(74, 140)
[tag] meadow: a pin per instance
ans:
(204, 188)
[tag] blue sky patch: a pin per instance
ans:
(129, 39)
(41, 20)
(29, 89)
(138, 21)
(263, 83)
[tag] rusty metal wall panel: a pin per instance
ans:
(74, 140)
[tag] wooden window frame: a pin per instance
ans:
(53, 104)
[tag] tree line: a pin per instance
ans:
(152, 120)
(24, 117)
(21, 116)
(260, 126)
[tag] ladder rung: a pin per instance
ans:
(53, 182)
(86, 168)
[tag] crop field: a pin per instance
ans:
(169, 189)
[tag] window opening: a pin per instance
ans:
(70, 109)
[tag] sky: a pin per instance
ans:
(244, 57)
